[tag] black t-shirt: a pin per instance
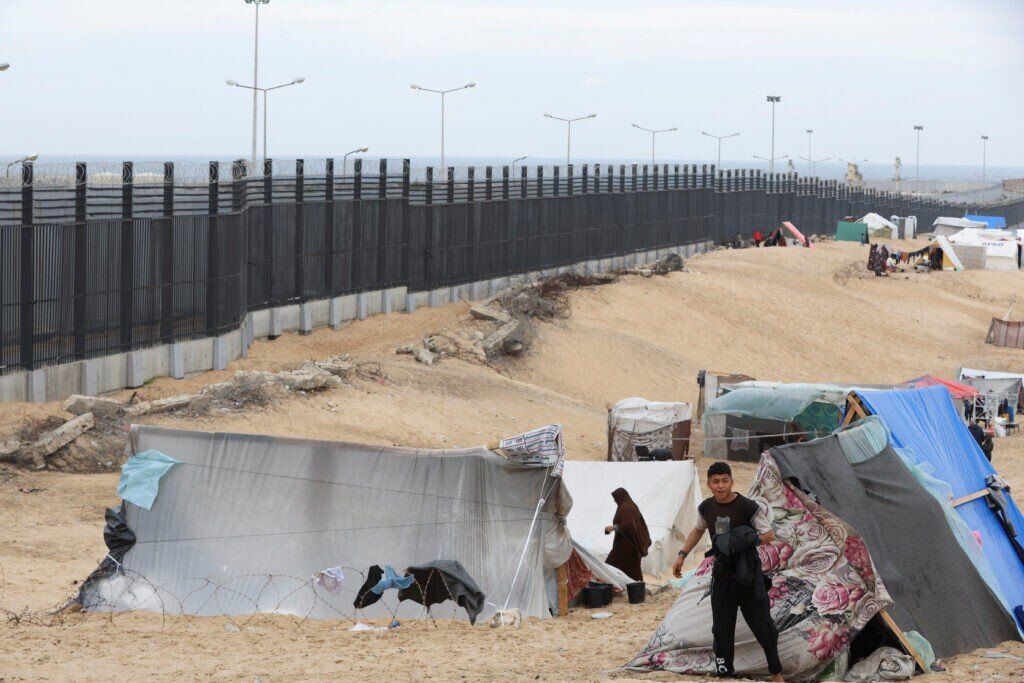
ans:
(721, 518)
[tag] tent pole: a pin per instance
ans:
(911, 650)
(563, 590)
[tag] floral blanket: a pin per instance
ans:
(824, 590)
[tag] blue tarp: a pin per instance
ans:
(140, 477)
(925, 425)
(993, 222)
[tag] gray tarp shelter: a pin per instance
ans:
(244, 521)
(935, 587)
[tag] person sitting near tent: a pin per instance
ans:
(632, 539)
(737, 525)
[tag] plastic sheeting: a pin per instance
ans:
(638, 422)
(667, 494)
(770, 401)
(243, 521)
(924, 424)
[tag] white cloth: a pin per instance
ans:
(330, 579)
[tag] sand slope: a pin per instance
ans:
(772, 313)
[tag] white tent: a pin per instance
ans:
(667, 494)
(974, 373)
(1001, 248)
(242, 522)
(880, 227)
(638, 422)
(947, 225)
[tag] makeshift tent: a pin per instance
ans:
(992, 222)
(850, 232)
(1006, 333)
(958, 390)
(926, 428)
(1001, 249)
(824, 591)
(880, 228)
(856, 475)
(946, 225)
(243, 521)
(636, 422)
(710, 383)
(754, 416)
(974, 373)
(787, 234)
(993, 391)
(950, 261)
(667, 494)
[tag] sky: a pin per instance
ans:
(145, 78)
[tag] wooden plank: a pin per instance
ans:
(563, 590)
(854, 410)
(969, 497)
(898, 632)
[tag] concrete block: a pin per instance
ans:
(260, 324)
(133, 367)
(111, 373)
(276, 323)
(220, 353)
(410, 302)
(319, 312)
(362, 310)
(88, 378)
(455, 294)
(61, 380)
(198, 355)
(397, 298)
(305, 318)
(373, 303)
(385, 301)
(77, 404)
(12, 387)
(334, 315)
(36, 386)
(176, 361)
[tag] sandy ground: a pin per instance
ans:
(773, 313)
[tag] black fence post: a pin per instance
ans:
(504, 182)
(634, 186)
(428, 193)
(523, 182)
(622, 177)
(269, 251)
(329, 283)
(167, 257)
(597, 178)
(299, 284)
(406, 177)
(644, 178)
(540, 180)
(489, 183)
(382, 223)
(382, 179)
(268, 182)
(81, 263)
(586, 179)
(569, 178)
(470, 182)
(557, 180)
(451, 184)
(213, 253)
(127, 254)
(27, 267)
(239, 170)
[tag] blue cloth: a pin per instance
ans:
(140, 477)
(926, 427)
(391, 580)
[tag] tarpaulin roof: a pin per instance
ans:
(956, 389)
(958, 222)
(994, 222)
(772, 401)
(925, 423)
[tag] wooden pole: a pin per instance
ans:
(911, 650)
(563, 590)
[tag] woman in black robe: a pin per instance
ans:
(632, 539)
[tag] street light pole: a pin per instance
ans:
(814, 162)
(772, 99)
(809, 155)
(255, 74)
(917, 165)
(654, 134)
(30, 157)
(442, 93)
(568, 137)
(294, 81)
(719, 138)
(516, 161)
(984, 144)
(772, 161)
(344, 159)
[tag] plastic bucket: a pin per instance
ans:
(637, 592)
(593, 596)
(608, 592)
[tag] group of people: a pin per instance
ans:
(737, 525)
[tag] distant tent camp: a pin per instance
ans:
(816, 557)
(787, 235)
(992, 222)
(240, 523)
(636, 422)
(667, 494)
(925, 427)
(880, 228)
(998, 249)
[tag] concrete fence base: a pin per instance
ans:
(179, 359)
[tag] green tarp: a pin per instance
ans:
(850, 232)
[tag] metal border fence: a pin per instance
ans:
(94, 268)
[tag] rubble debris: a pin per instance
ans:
(495, 344)
(425, 356)
(669, 263)
(406, 349)
(161, 405)
(51, 442)
(77, 404)
(486, 312)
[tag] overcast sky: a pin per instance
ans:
(145, 78)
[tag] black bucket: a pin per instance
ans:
(637, 592)
(593, 596)
(608, 592)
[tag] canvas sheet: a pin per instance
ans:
(824, 590)
(667, 494)
(925, 426)
(244, 521)
(932, 581)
